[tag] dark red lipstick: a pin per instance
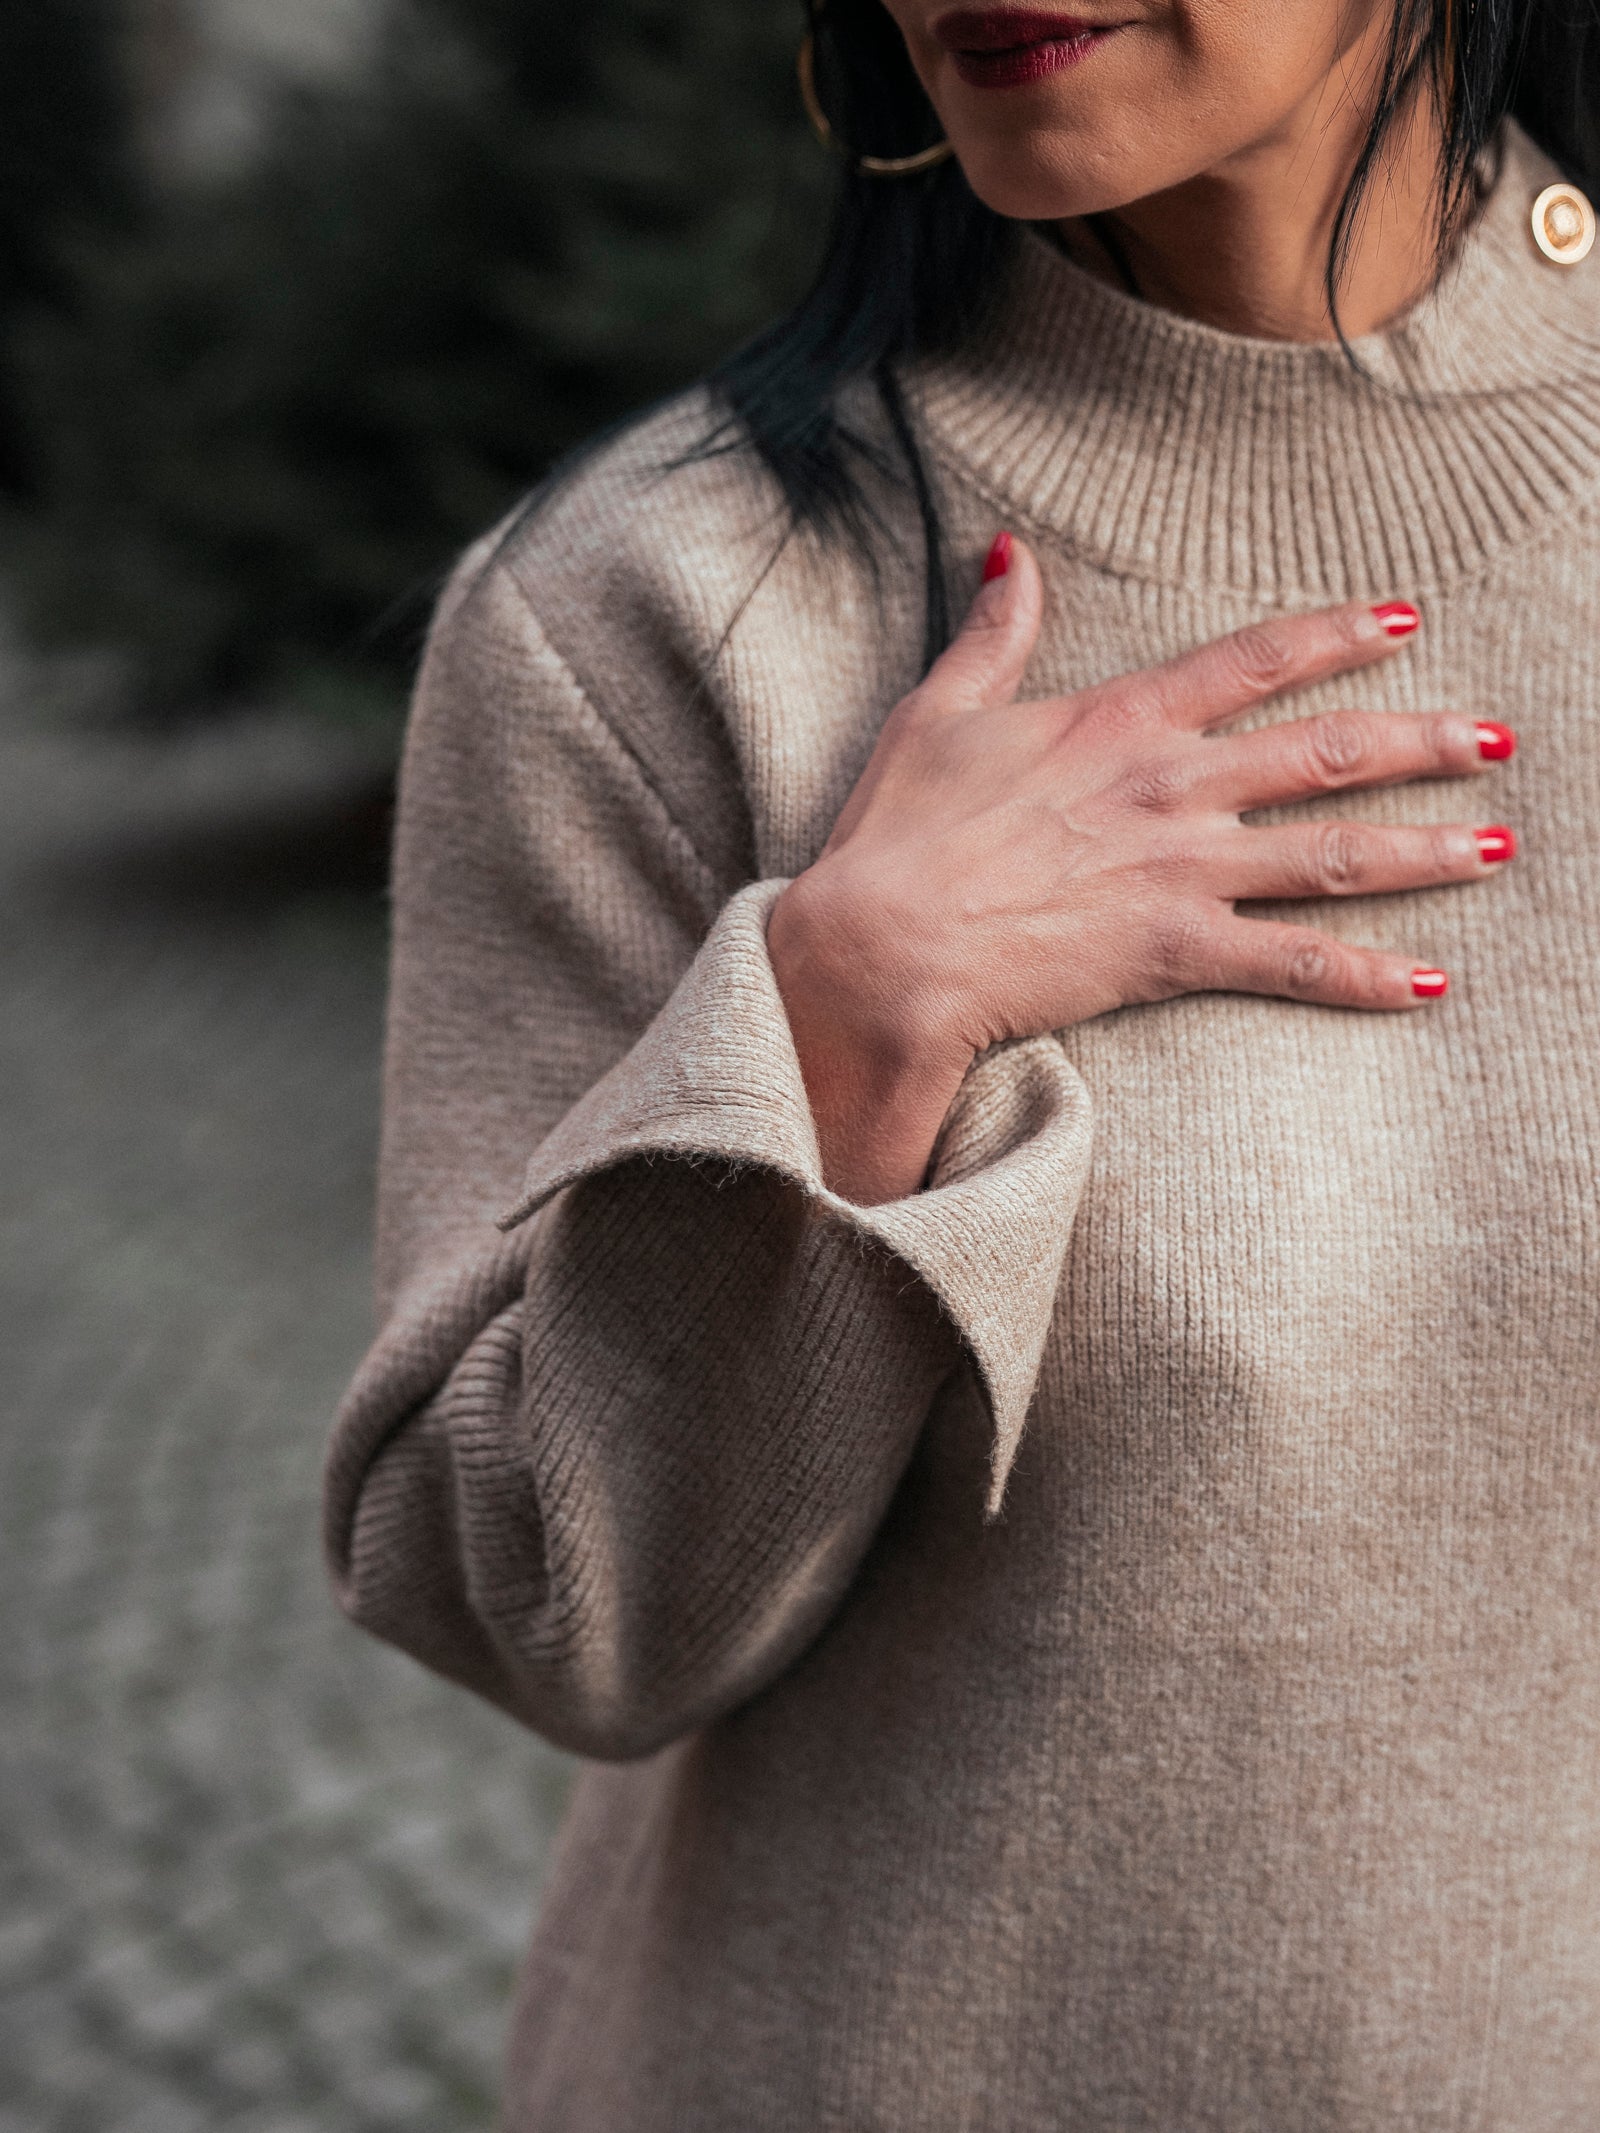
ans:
(1002, 48)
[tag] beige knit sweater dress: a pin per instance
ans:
(1110, 1644)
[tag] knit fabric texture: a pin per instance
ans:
(1111, 1643)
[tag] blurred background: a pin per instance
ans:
(295, 297)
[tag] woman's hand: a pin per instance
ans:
(1006, 868)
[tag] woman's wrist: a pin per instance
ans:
(881, 1069)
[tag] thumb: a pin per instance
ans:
(985, 663)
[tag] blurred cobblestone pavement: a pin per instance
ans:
(255, 1872)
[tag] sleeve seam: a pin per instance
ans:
(714, 892)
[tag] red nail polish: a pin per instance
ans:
(999, 559)
(1429, 984)
(1398, 618)
(1496, 744)
(1497, 844)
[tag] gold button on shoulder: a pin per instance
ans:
(1563, 224)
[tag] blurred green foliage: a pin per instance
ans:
(277, 411)
(65, 170)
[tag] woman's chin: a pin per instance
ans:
(1045, 179)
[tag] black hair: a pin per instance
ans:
(916, 264)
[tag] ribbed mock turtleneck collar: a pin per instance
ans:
(1166, 450)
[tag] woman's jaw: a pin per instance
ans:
(1221, 134)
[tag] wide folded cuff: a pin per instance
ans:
(716, 1078)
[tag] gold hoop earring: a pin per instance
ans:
(869, 166)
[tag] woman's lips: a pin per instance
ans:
(1003, 48)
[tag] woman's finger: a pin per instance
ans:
(1298, 963)
(1342, 749)
(1294, 860)
(1220, 680)
(984, 663)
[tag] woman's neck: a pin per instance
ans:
(1244, 247)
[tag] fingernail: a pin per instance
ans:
(1397, 618)
(999, 559)
(1496, 744)
(1497, 844)
(1429, 984)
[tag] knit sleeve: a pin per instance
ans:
(644, 1386)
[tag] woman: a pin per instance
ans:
(899, 1053)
